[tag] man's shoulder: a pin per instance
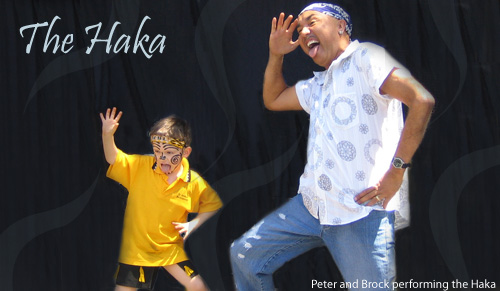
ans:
(364, 48)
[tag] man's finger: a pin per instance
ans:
(273, 25)
(287, 22)
(363, 193)
(280, 20)
(294, 24)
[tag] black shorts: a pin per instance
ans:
(145, 277)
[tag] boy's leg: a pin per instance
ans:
(131, 278)
(192, 282)
(282, 235)
(364, 251)
(124, 288)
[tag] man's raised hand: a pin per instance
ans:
(280, 40)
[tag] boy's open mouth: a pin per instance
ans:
(165, 168)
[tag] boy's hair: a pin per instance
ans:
(172, 127)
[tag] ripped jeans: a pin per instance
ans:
(363, 250)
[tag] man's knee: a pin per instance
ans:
(239, 255)
(235, 250)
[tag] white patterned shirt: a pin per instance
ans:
(353, 135)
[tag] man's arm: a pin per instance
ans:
(276, 94)
(109, 127)
(420, 102)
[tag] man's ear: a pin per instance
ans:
(342, 25)
(187, 151)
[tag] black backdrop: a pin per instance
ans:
(60, 220)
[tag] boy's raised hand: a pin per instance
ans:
(110, 121)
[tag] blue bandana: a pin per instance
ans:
(332, 10)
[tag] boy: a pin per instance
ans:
(162, 191)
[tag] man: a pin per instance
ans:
(358, 152)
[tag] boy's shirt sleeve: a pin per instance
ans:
(123, 168)
(209, 199)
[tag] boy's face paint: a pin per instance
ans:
(168, 157)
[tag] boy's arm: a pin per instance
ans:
(186, 228)
(109, 127)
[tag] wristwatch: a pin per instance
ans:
(399, 163)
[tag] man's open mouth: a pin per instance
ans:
(313, 46)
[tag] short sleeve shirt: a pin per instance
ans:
(149, 237)
(353, 135)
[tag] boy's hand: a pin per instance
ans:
(184, 229)
(110, 121)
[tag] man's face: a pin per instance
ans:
(319, 37)
(168, 157)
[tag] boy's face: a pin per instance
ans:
(168, 157)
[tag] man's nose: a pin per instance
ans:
(305, 31)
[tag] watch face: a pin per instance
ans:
(397, 163)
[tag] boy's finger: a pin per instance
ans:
(118, 116)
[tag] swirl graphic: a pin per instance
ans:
(445, 17)
(15, 237)
(444, 202)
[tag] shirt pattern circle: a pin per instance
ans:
(369, 104)
(368, 146)
(346, 150)
(352, 114)
(324, 183)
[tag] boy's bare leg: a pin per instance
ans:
(124, 288)
(191, 284)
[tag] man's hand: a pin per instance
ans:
(110, 121)
(280, 40)
(383, 192)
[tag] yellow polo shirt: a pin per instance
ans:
(149, 237)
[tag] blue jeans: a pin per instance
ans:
(363, 250)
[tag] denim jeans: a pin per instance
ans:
(363, 250)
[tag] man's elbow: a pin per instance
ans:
(422, 101)
(427, 101)
(270, 105)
